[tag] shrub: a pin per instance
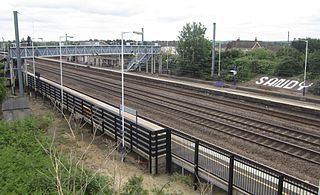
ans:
(315, 88)
(134, 186)
(288, 67)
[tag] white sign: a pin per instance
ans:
(282, 83)
(234, 72)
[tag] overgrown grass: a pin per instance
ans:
(30, 164)
(184, 179)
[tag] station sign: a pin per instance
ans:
(282, 83)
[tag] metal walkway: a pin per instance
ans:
(83, 50)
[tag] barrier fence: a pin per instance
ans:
(236, 171)
(148, 143)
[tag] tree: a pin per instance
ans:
(314, 64)
(288, 67)
(194, 51)
(300, 44)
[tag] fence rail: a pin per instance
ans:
(234, 170)
(151, 144)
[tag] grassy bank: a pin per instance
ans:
(30, 163)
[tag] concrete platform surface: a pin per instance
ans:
(15, 108)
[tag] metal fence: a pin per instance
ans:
(236, 171)
(151, 144)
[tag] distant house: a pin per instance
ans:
(167, 46)
(246, 45)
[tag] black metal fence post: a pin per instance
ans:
(150, 152)
(82, 107)
(91, 115)
(102, 116)
(115, 129)
(156, 152)
(196, 161)
(55, 94)
(168, 152)
(73, 104)
(230, 184)
(131, 141)
(280, 184)
(67, 99)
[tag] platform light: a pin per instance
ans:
(122, 91)
(305, 69)
(61, 81)
(33, 61)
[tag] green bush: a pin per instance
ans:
(315, 88)
(314, 64)
(3, 90)
(134, 186)
(288, 67)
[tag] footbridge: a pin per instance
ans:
(83, 50)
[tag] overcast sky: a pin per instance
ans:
(268, 20)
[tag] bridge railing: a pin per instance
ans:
(82, 50)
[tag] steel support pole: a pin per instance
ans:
(213, 49)
(61, 80)
(167, 57)
(142, 30)
(16, 27)
(34, 67)
(122, 96)
(305, 70)
(219, 59)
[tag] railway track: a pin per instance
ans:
(279, 114)
(222, 122)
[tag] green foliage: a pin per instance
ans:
(261, 54)
(26, 168)
(258, 61)
(300, 44)
(3, 90)
(194, 51)
(315, 88)
(184, 179)
(288, 67)
(134, 186)
(314, 64)
(290, 52)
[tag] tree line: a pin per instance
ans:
(194, 59)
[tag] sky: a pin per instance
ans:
(268, 20)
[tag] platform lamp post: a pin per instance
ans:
(305, 70)
(122, 90)
(33, 62)
(61, 81)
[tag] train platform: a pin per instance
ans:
(296, 101)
